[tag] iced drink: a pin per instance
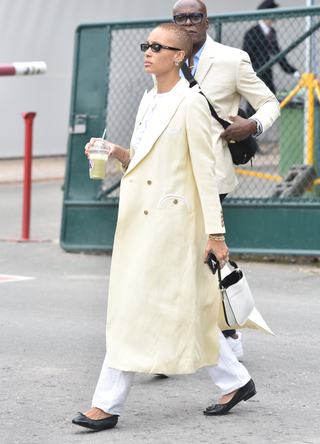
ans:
(98, 160)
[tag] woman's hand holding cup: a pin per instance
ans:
(105, 144)
(113, 150)
(97, 151)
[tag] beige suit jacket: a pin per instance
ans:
(225, 75)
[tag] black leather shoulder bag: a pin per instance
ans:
(241, 152)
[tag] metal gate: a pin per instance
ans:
(276, 207)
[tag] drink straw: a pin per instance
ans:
(104, 133)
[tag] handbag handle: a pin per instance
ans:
(219, 276)
(234, 265)
(192, 82)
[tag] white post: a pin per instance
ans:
(307, 69)
(23, 68)
(30, 68)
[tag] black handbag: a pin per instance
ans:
(241, 152)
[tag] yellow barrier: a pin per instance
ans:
(260, 175)
(268, 176)
(306, 81)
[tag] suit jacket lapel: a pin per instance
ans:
(205, 61)
(159, 122)
(262, 39)
(143, 107)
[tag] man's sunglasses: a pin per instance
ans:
(155, 47)
(181, 19)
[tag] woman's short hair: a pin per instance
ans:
(182, 38)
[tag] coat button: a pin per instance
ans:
(149, 182)
(175, 201)
(146, 212)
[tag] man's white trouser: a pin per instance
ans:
(114, 385)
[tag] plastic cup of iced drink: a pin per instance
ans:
(98, 158)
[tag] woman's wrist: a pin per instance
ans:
(124, 160)
(121, 153)
(217, 237)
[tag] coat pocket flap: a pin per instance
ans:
(175, 198)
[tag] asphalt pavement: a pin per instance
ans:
(52, 344)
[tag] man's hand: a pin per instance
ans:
(240, 129)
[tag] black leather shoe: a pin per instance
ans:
(95, 424)
(243, 394)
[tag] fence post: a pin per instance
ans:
(28, 118)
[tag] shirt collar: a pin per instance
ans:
(197, 56)
(264, 27)
(196, 59)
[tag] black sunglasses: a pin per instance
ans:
(195, 19)
(155, 47)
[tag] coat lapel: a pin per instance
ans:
(205, 61)
(159, 122)
(143, 108)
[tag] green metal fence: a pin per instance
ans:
(276, 206)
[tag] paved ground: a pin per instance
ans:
(43, 168)
(52, 345)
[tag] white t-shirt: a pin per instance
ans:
(157, 101)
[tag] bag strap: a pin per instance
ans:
(186, 72)
(192, 82)
(234, 265)
(219, 276)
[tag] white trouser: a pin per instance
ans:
(114, 385)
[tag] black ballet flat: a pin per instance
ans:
(95, 424)
(243, 394)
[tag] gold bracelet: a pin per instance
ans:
(122, 156)
(123, 164)
(217, 238)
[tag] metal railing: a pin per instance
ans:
(280, 147)
(279, 194)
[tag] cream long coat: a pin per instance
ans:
(225, 75)
(163, 301)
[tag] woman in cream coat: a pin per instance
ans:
(163, 301)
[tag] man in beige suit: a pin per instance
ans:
(225, 75)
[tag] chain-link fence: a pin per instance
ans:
(287, 162)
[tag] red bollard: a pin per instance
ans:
(28, 118)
